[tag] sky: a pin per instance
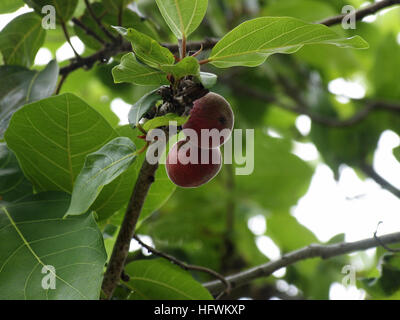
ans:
(351, 206)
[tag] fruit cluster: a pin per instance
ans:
(196, 160)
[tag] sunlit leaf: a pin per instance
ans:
(252, 42)
(183, 16)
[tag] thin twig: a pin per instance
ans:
(60, 83)
(98, 21)
(311, 251)
(370, 171)
(380, 241)
(88, 31)
(186, 266)
(66, 34)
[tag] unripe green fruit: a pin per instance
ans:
(184, 172)
(211, 112)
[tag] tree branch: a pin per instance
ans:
(311, 251)
(121, 246)
(99, 23)
(370, 171)
(186, 266)
(361, 13)
(88, 31)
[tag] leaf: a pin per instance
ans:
(396, 153)
(183, 16)
(19, 86)
(132, 71)
(161, 280)
(147, 49)
(51, 139)
(252, 42)
(64, 8)
(34, 234)
(8, 6)
(188, 66)
(13, 184)
(100, 169)
(164, 121)
(283, 176)
(208, 80)
(16, 39)
(140, 108)
(160, 190)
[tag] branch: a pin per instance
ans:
(186, 266)
(361, 13)
(370, 171)
(99, 23)
(121, 246)
(88, 31)
(311, 251)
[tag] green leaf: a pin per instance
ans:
(8, 6)
(132, 71)
(252, 42)
(183, 16)
(140, 108)
(19, 86)
(64, 8)
(100, 169)
(396, 153)
(188, 66)
(13, 184)
(279, 179)
(164, 121)
(147, 49)
(160, 190)
(52, 137)
(161, 280)
(208, 80)
(34, 234)
(21, 39)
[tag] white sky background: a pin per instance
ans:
(350, 206)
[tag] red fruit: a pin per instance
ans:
(189, 166)
(211, 112)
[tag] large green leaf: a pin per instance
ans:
(64, 8)
(7, 6)
(115, 6)
(252, 42)
(13, 184)
(160, 280)
(147, 49)
(19, 86)
(21, 39)
(132, 71)
(101, 168)
(34, 234)
(51, 139)
(183, 16)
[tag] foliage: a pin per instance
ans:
(68, 168)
